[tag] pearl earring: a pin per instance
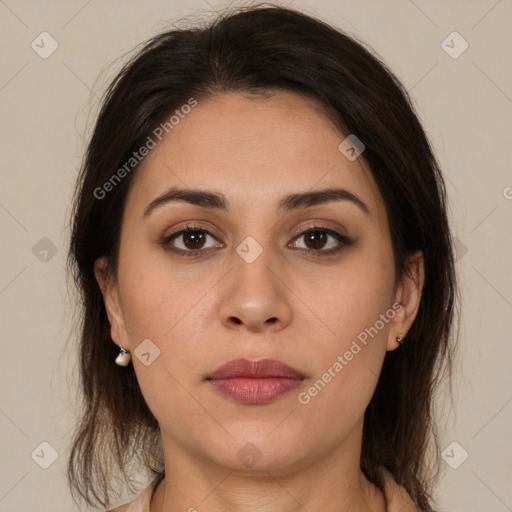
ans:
(400, 339)
(123, 358)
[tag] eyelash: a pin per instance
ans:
(344, 240)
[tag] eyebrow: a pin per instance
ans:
(216, 200)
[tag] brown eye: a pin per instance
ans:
(189, 241)
(315, 239)
(321, 241)
(193, 239)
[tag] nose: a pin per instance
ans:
(255, 296)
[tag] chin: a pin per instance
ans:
(255, 454)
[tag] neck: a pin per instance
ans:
(331, 483)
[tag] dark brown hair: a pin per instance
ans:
(257, 50)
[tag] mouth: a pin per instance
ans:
(255, 382)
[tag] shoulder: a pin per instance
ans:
(140, 503)
(397, 497)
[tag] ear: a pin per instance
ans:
(408, 295)
(110, 292)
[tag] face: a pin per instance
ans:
(308, 281)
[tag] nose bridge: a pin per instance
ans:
(255, 295)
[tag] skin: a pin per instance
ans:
(203, 311)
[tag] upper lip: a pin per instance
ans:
(261, 369)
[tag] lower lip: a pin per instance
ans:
(255, 391)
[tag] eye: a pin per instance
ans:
(321, 240)
(192, 241)
(189, 241)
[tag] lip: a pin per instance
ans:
(255, 382)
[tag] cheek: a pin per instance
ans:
(165, 307)
(354, 305)
(351, 296)
(154, 297)
(346, 370)
(165, 314)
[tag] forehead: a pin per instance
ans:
(254, 150)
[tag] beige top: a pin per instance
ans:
(398, 499)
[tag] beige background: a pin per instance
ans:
(47, 108)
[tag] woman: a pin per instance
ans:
(261, 244)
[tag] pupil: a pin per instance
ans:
(317, 238)
(195, 238)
